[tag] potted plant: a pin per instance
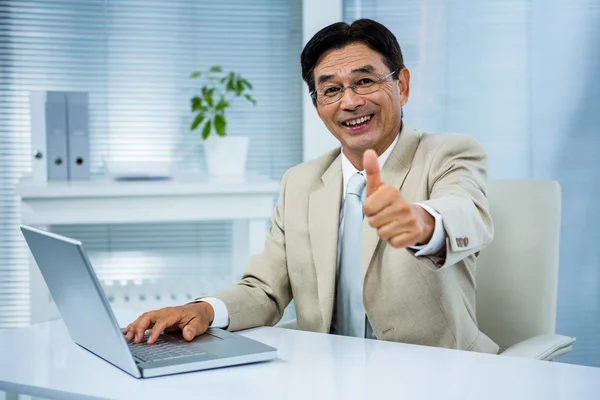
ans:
(225, 155)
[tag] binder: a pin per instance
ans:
(78, 136)
(37, 114)
(56, 136)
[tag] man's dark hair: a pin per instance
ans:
(339, 35)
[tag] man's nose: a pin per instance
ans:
(351, 100)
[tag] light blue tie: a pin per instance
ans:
(350, 318)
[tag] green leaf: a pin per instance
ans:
(220, 124)
(197, 121)
(216, 68)
(206, 130)
(195, 74)
(230, 86)
(250, 99)
(247, 84)
(222, 105)
(196, 103)
(239, 88)
(208, 98)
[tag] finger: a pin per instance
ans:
(390, 230)
(392, 212)
(127, 331)
(161, 324)
(145, 321)
(403, 240)
(131, 330)
(377, 202)
(373, 175)
(194, 328)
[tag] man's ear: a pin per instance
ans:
(404, 85)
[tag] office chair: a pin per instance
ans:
(517, 274)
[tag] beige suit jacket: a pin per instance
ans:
(421, 300)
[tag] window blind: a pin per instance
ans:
(134, 58)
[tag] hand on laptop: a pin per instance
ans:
(192, 319)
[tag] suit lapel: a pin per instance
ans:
(393, 173)
(323, 224)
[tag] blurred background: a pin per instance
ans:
(520, 76)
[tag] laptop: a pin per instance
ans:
(92, 325)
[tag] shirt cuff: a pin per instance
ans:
(221, 319)
(438, 239)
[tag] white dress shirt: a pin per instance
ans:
(435, 245)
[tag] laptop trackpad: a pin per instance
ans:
(206, 338)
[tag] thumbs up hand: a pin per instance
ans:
(400, 223)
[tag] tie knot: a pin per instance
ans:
(356, 184)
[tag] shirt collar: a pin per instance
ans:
(348, 169)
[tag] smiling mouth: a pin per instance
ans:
(358, 122)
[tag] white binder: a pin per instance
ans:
(78, 136)
(59, 136)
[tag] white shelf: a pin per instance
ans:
(248, 202)
(102, 188)
(103, 201)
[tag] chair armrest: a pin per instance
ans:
(541, 347)
(291, 324)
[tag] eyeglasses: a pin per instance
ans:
(365, 84)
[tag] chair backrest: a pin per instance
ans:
(517, 274)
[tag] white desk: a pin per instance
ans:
(40, 360)
(249, 203)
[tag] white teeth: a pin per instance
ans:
(358, 120)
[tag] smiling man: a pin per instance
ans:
(377, 239)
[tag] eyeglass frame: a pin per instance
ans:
(379, 82)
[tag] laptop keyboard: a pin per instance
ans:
(166, 347)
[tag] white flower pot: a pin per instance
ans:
(226, 156)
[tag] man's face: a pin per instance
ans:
(380, 111)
